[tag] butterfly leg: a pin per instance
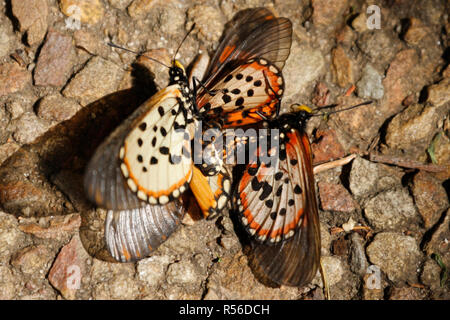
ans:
(196, 83)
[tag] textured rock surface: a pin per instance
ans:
(55, 60)
(392, 210)
(397, 255)
(98, 78)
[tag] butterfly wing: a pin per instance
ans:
(278, 208)
(212, 193)
(245, 74)
(253, 33)
(256, 86)
(146, 159)
(134, 234)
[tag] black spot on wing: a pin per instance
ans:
(267, 190)
(256, 185)
(143, 126)
(226, 98)
(278, 175)
(164, 150)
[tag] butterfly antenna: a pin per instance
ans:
(346, 109)
(181, 43)
(136, 53)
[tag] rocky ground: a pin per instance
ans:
(384, 217)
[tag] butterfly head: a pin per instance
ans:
(177, 73)
(296, 118)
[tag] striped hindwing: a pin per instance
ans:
(278, 208)
(253, 33)
(147, 158)
(134, 234)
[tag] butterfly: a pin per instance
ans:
(277, 206)
(147, 160)
(244, 77)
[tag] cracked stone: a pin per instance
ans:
(55, 60)
(57, 108)
(53, 227)
(343, 67)
(10, 236)
(97, 79)
(32, 16)
(33, 260)
(438, 94)
(13, 78)
(430, 198)
(368, 178)
(334, 197)
(87, 11)
(413, 129)
(397, 255)
(370, 85)
(392, 210)
(69, 269)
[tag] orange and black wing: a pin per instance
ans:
(211, 192)
(278, 208)
(244, 77)
(253, 33)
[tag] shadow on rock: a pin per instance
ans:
(44, 178)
